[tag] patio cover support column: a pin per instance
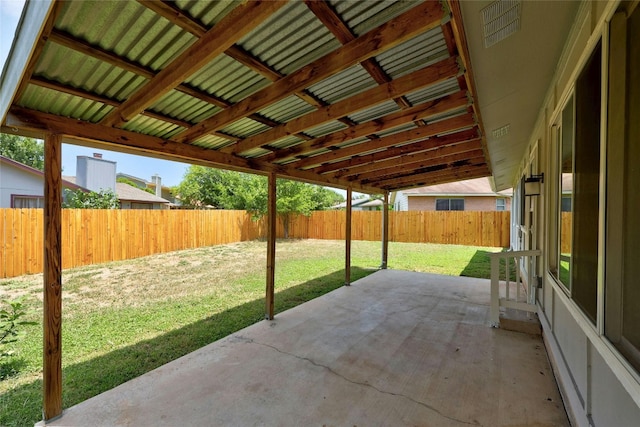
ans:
(347, 239)
(271, 247)
(52, 357)
(385, 230)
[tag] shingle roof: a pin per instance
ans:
(471, 187)
(65, 182)
(129, 193)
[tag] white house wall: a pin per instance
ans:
(599, 387)
(14, 181)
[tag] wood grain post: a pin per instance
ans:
(271, 247)
(347, 239)
(385, 230)
(52, 322)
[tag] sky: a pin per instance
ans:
(138, 166)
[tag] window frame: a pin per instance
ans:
(449, 200)
(16, 197)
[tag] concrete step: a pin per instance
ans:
(520, 321)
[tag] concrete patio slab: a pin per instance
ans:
(395, 348)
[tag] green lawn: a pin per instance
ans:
(123, 319)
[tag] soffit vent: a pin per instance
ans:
(499, 20)
(501, 131)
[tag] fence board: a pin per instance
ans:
(95, 236)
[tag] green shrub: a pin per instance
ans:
(11, 316)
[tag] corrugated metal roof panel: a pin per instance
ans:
(228, 79)
(184, 107)
(127, 28)
(447, 87)
(325, 128)
(51, 101)
(255, 152)
(290, 39)
(342, 85)
(419, 52)
(212, 142)
(286, 109)
(374, 112)
(150, 126)
(363, 16)
(207, 12)
(398, 129)
(245, 128)
(67, 66)
(286, 142)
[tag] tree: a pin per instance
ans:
(27, 151)
(203, 187)
(103, 199)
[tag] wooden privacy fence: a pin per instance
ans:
(95, 236)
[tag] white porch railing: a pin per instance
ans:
(520, 293)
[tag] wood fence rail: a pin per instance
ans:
(95, 236)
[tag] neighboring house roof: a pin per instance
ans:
(134, 194)
(361, 203)
(148, 184)
(10, 162)
(471, 187)
(371, 204)
(130, 193)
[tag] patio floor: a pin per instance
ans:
(395, 348)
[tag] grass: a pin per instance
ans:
(123, 319)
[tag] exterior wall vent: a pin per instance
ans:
(499, 20)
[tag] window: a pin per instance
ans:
(501, 204)
(578, 189)
(24, 202)
(449, 204)
(622, 288)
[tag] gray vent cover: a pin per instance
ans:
(499, 20)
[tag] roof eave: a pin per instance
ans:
(32, 21)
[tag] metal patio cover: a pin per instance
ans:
(370, 95)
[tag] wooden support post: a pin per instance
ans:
(385, 230)
(271, 247)
(52, 322)
(347, 239)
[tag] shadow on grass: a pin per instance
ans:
(479, 266)
(22, 406)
